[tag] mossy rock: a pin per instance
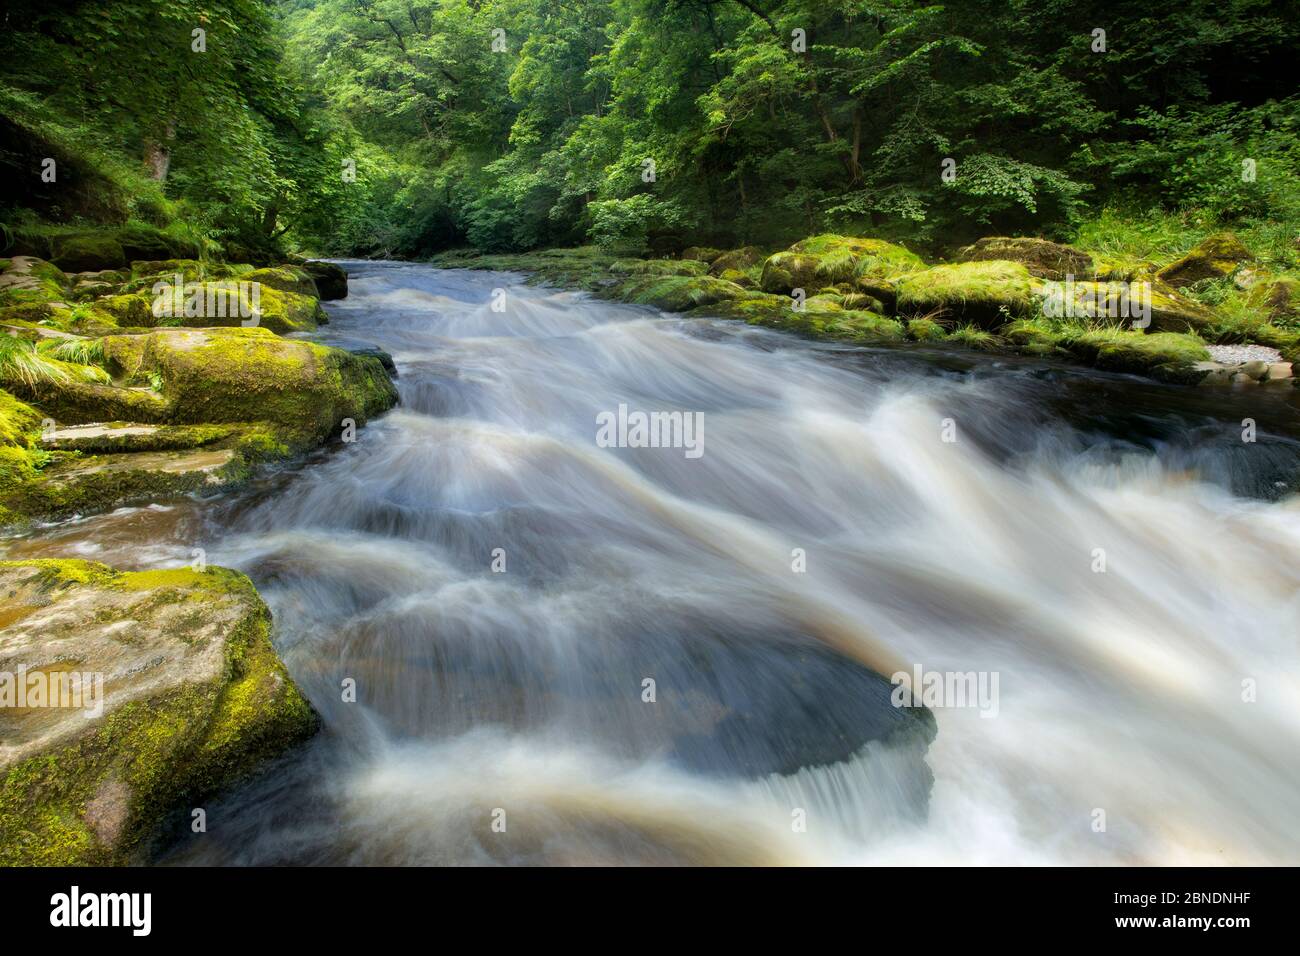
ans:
(680, 293)
(1216, 257)
(1042, 257)
(87, 484)
(815, 320)
(985, 293)
(1125, 304)
(659, 267)
(1164, 355)
(741, 279)
(31, 281)
(868, 264)
(287, 278)
(193, 698)
(331, 279)
(75, 402)
(250, 374)
(228, 303)
(1278, 298)
(88, 253)
(925, 330)
(127, 311)
(786, 271)
(825, 302)
(741, 260)
(701, 253)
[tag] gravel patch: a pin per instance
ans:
(1235, 354)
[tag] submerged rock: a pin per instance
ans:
(178, 693)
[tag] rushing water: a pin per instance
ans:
(517, 696)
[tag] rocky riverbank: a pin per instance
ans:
(1024, 295)
(129, 382)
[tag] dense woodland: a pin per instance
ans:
(404, 127)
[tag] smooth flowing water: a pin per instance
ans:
(500, 588)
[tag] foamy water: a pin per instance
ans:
(516, 696)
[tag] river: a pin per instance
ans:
(568, 653)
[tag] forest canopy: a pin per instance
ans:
(403, 127)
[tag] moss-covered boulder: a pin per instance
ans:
(741, 279)
(87, 484)
(27, 280)
(786, 271)
(126, 311)
(985, 293)
(815, 320)
(249, 374)
(20, 455)
(701, 253)
(658, 267)
(284, 312)
(243, 302)
(1278, 298)
(680, 293)
(1146, 304)
(87, 253)
(286, 278)
(331, 279)
(1217, 256)
(870, 264)
(741, 260)
(178, 693)
(1165, 355)
(1042, 257)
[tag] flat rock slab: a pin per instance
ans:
(177, 692)
(76, 433)
(198, 462)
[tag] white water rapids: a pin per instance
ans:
(516, 697)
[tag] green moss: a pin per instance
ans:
(287, 278)
(786, 271)
(88, 253)
(1214, 257)
(701, 253)
(980, 292)
(778, 312)
(240, 375)
(925, 330)
(1165, 355)
(663, 267)
(29, 281)
(166, 752)
(680, 293)
(857, 260)
(742, 260)
(972, 337)
(1041, 257)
